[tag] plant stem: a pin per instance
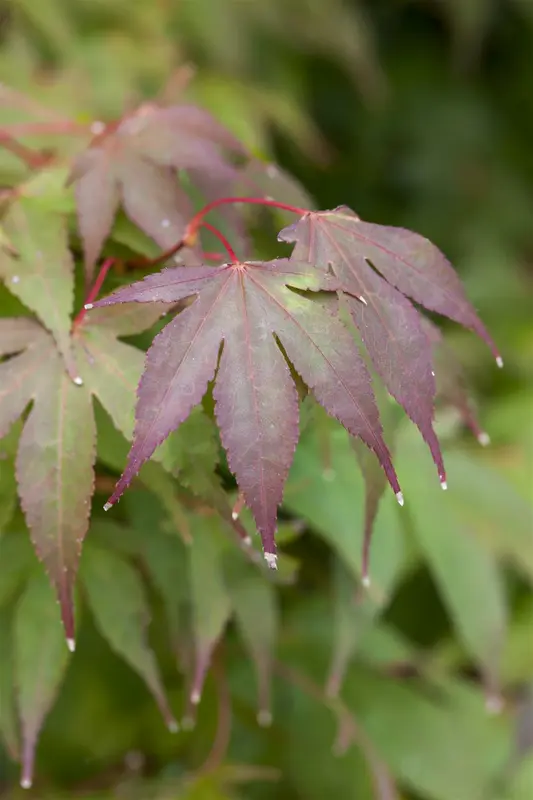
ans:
(94, 291)
(52, 128)
(32, 158)
(222, 239)
(196, 221)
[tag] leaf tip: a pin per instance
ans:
(195, 697)
(494, 704)
(483, 438)
(272, 560)
(88, 306)
(187, 723)
(78, 380)
(25, 782)
(71, 644)
(499, 362)
(264, 718)
(399, 498)
(107, 506)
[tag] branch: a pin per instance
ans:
(93, 293)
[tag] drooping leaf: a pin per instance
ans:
(38, 269)
(333, 505)
(117, 598)
(256, 613)
(383, 267)
(9, 733)
(251, 308)
(138, 158)
(351, 616)
(54, 459)
(211, 602)
(452, 389)
(465, 571)
(428, 745)
(17, 559)
(40, 659)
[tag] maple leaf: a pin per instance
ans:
(36, 265)
(55, 453)
(385, 266)
(56, 450)
(258, 311)
(134, 163)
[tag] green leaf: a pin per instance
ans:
(40, 658)
(427, 744)
(8, 484)
(17, 559)
(38, 268)
(8, 716)
(331, 498)
(211, 603)
(352, 614)
(465, 571)
(254, 599)
(118, 601)
(55, 477)
(493, 508)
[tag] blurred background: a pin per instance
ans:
(417, 113)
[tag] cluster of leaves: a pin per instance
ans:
(246, 340)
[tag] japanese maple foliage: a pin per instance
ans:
(255, 335)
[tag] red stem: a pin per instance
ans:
(222, 239)
(52, 128)
(94, 291)
(31, 158)
(196, 221)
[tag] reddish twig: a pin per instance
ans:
(94, 291)
(222, 239)
(197, 220)
(53, 128)
(32, 158)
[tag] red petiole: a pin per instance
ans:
(94, 292)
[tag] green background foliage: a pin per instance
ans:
(418, 114)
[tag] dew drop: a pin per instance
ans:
(399, 497)
(272, 560)
(16, 279)
(264, 718)
(366, 581)
(499, 362)
(247, 541)
(432, 373)
(483, 438)
(97, 127)
(363, 301)
(195, 697)
(78, 381)
(71, 644)
(26, 783)
(444, 485)
(88, 306)
(494, 704)
(108, 506)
